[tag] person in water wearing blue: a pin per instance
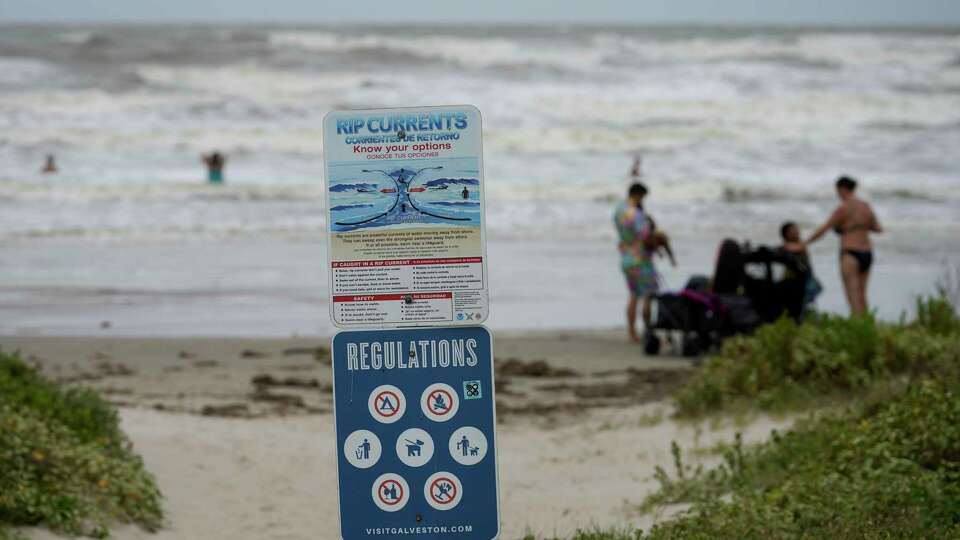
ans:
(637, 246)
(853, 220)
(215, 163)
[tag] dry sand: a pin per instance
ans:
(240, 436)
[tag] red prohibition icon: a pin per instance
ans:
(440, 402)
(385, 407)
(393, 490)
(443, 490)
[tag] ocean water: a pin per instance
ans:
(739, 129)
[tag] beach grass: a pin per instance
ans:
(826, 359)
(883, 463)
(66, 464)
(881, 470)
(877, 470)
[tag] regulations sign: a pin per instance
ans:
(405, 217)
(415, 422)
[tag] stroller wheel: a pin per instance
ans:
(651, 344)
(691, 345)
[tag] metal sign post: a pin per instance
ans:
(413, 384)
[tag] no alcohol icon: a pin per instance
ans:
(390, 492)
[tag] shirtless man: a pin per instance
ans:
(853, 220)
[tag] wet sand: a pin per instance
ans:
(239, 432)
(276, 287)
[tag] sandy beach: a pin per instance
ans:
(239, 432)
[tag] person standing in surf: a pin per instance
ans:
(50, 165)
(853, 220)
(215, 163)
(636, 254)
(636, 170)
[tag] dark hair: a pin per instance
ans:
(637, 190)
(845, 182)
(786, 227)
(728, 274)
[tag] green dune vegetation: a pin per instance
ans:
(786, 366)
(66, 465)
(879, 456)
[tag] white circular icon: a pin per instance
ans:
(443, 490)
(439, 402)
(390, 492)
(362, 449)
(468, 445)
(387, 404)
(415, 447)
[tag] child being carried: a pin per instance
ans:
(659, 242)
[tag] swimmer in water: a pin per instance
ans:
(215, 163)
(636, 170)
(465, 193)
(50, 166)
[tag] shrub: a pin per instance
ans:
(937, 315)
(81, 410)
(785, 363)
(887, 471)
(66, 464)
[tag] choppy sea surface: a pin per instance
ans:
(739, 129)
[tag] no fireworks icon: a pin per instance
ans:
(443, 490)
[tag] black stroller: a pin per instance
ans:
(750, 287)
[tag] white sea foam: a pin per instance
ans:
(466, 51)
(756, 120)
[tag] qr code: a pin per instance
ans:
(472, 390)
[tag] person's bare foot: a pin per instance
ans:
(634, 337)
